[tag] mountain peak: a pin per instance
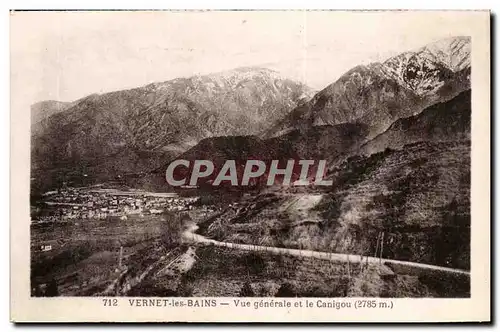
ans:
(426, 69)
(454, 52)
(232, 79)
(127, 131)
(377, 94)
(245, 73)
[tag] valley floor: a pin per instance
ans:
(198, 266)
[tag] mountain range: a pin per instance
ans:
(134, 131)
(423, 95)
(396, 135)
(380, 93)
(420, 95)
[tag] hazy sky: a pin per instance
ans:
(65, 56)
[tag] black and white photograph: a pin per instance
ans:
(250, 154)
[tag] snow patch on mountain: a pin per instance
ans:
(425, 70)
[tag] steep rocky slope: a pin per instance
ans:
(137, 130)
(446, 121)
(380, 93)
(429, 69)
(316, 143)
(418, 198)
(44, 109)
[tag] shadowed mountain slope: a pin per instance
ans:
(446, 121)
(380, 93)
(140, 129)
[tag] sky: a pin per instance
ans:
(67, 55)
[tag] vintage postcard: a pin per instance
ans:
(250, 166)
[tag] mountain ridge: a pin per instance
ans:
(378, 94)
(150, 124)
(448, 120)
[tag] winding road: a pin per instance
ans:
(396, 265)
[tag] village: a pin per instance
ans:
(82, 203)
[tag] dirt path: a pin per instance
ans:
(399, 266)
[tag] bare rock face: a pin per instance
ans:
(139, 129)
(447, 121)
(428, 69)
(380, 93)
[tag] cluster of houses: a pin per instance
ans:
(74, 203)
